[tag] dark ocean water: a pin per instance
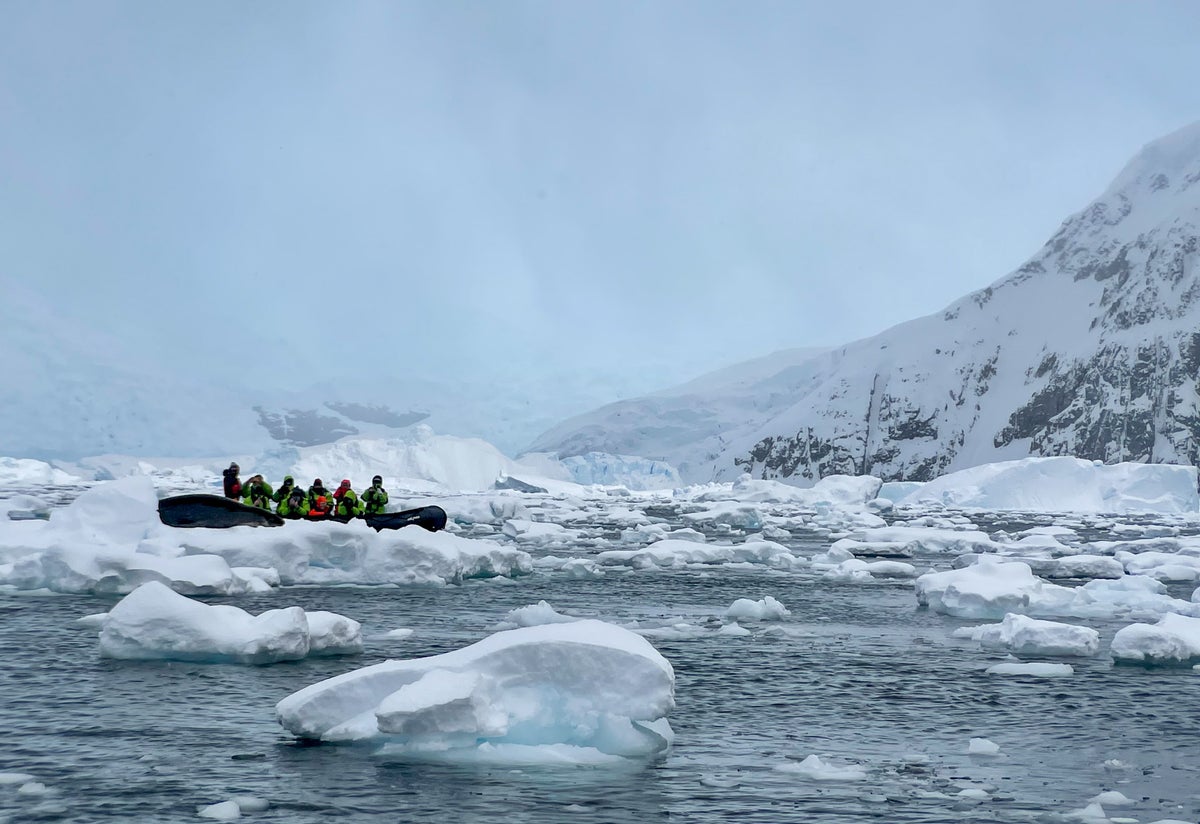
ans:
(856, 674)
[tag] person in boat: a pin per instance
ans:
(285, 489)
(320, 500)
(347, 504)
(258, 493)
(233, 485)
(374, 497)
(294, 506)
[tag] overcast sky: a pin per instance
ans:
(520, 186)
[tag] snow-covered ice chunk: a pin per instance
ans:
(586, 690)
(1063, 484)
(987, 589)
(1022, 635)
(1035, 669)
(156, 623)
(982, 746)
(1112, 798)
(534, 615)
(765, 609)
(28, 472)
(1175, 639)
(816, 769)
(223, 811)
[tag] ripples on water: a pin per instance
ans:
(860, 675)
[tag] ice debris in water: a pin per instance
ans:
(155, 623)
(1032, 669)
(579, 692)
(534, 615)
(766, 609)
(814, 768)
(982, 746)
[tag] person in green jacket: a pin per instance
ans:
(375, 497)
(258, 493)
(348, 505)
(294, 506)
(285, 490)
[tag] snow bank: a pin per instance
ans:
(155, 623)
(1065, 485)
(583, 691)
(110, 540)
(1021, 635)
(1175, 639)
(27, 472)
(628, 471)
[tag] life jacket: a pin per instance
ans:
(320, 506)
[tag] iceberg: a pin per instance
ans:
(1022, 635)
(156, 623)
(629, 471)
(583, 692)
(1065, 484)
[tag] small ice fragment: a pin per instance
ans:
(33, 788)
(251, 803)
(1092, 812)
(95, 620)
(735, 629)
(224, 811)
(982, 746)
(766, 609)
(7, 778)
(1034, 669)
(396, 634)
(1112, 798)
(973, 794)
(816, 769)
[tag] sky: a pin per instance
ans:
(527, 188)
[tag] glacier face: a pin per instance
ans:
(1091, 349)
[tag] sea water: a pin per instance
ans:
(857, 674)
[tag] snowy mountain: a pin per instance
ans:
(1091, 349)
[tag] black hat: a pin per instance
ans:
(378, 479)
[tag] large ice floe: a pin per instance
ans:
(578, 692)
(993, 587)
(1022, 635)
(156, 623)
(1065, 484)
(1175, 639)
(110, 540)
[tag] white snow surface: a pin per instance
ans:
(1064, 484)
(584, 691)
(156, 623)
(28, 472)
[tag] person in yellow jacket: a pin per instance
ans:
(348, 505)
(375, 497)
(258, 492)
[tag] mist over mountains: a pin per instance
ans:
(1091, 348)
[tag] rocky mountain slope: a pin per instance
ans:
(1091, 349)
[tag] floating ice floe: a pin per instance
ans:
(993, 587)
(1033, 669)
(155, 623)
(110, 540)
(830, 491)
(982, 746)
(764, 609)
(905, 541)
(676, 553)
(581, 692)
(1175, 639)
(816, 769)
(856, 569)
(1063, 484)
(1022, 635)
(534, 615)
